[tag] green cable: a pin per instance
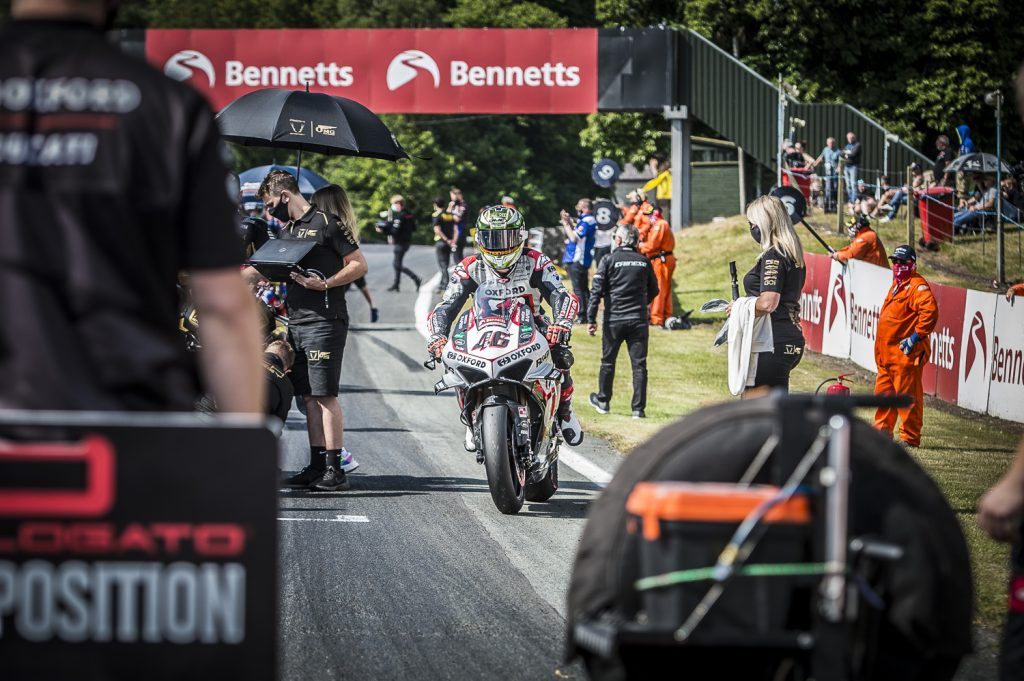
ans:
(708, 574)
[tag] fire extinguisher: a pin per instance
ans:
(839, 387)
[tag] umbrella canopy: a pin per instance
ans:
(976, 163)
(308, 121)
(309, 181)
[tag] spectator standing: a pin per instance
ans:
(579, 251)
(966, 143)
(942, 159)
(457, 209)
(94, 235)
(829, 159)
(318, 323)
(508, 201)
(658, 244)
(444, 239)
(626, 283)
(776, 280)
(403, 224)
(908, 315)
(865, 243)
(851, 154)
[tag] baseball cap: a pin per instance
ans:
(904, 252)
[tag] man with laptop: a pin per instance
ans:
(327, 258)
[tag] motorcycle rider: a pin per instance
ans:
(504, 263)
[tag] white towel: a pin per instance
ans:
(748, 335)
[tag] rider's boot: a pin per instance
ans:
(572, 431)
(470, 442)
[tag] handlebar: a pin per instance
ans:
(430, 364)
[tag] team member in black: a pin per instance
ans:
(776, 280)
(111, 183)
(626, 283)
(278, 359)
(317, 323)
(403, 224)
(444, 239)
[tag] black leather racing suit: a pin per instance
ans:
(534, 271)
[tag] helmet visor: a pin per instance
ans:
(499, 241)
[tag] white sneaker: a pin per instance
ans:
(470, 442)
(885, 219)
(572, 431)
(348, 462)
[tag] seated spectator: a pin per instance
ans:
(864, 245)
(1013, 200)
(793, 158)
(972, 214)
(863, 201)
(885, 196)
(899, 198)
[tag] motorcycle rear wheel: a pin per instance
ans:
(546, 487)
(503, 475)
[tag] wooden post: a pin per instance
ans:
(840, 196)
(910, 206)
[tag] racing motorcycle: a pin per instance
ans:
(509, 391)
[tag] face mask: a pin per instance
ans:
(902, 271)
(280, 211)
(396, 208)
(755, 233)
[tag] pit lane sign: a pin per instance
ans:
(123, 555)
(514, 71)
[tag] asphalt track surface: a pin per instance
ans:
(413, 574)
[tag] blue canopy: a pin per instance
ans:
(251, 179)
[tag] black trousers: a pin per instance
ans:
(599, 254)
(444, 257)
(579, 275)
(400, 251)
(634, 333)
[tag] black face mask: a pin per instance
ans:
(280, 211)
(755, 233)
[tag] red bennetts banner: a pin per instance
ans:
(509, 71)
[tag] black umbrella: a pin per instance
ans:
(307, 121)
(976, 163)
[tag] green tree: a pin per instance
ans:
(503, 14)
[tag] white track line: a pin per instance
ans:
(424, 298)
(583, 466)
(335, 519)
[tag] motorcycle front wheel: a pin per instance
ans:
(504, 475)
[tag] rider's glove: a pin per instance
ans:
(558, 334)
(908, 343)
(436, 344)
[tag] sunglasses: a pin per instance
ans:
(897, 261)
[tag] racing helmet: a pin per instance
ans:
(855, 223)
(500, 236)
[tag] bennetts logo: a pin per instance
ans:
(838, 300)
(182, 65)
(976, 349)
(407, 65)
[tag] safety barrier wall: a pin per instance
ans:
(977, 348)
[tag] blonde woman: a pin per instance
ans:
(776, 281)
(334, 200)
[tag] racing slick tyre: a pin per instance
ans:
(546, 487)
(505, 477)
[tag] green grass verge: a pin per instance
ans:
(964, 452)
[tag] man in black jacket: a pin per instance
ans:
(402, 225)
(626, 282)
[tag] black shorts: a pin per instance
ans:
(319, 347)
(773, 367)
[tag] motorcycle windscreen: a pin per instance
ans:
(490, 310)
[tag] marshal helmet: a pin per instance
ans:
(500, 236)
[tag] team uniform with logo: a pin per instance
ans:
(318, 320)
(658, 243)
(776, 272)
(105, 174)
(865, 246)
(579, 255)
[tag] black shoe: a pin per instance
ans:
(416, 280)
(333, 480)
(393, 288)
(304, 478)
(374, 314)
(639, 414)
(596, 403)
